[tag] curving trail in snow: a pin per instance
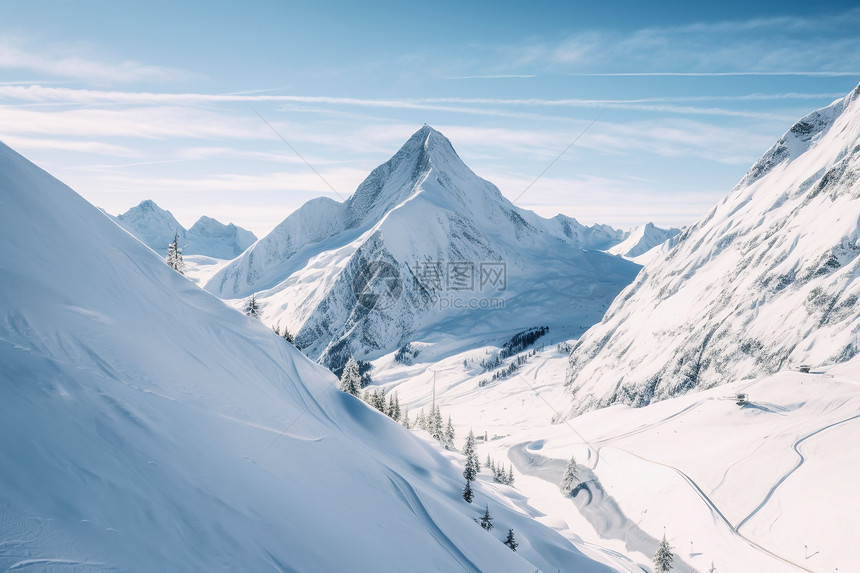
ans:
(800, 462)
(410, 497)
(715, 511)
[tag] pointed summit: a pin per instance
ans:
(398, 178)
(152, 225)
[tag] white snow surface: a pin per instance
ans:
(643, 239)
(768, 279)
(145, 426)
(422, 206)
(156, 227)
(769, 486)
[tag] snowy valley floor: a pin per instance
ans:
(769, 486)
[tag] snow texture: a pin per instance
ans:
(768, 279)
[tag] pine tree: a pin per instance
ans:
(499, 474)
(449, 432)
(405, 421)
(570, 479)
(663, 558)
(468, 495)
(487, 521)
(510, 480)
(421, 420)
(350, 380)
(471, 469)
(288, 337)
(488, 463)
(174, 256)
(712, 569)
(437, 429)
(375, 398)
(510, 541)
(394, 406)
(252, 307)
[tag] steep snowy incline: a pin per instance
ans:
(424, 225)
(643, 239)
(144, 426)
(768, 279)
(156, 228)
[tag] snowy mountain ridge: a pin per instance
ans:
(156, 227)
(643, 239)
(767, 280)
(421, 218)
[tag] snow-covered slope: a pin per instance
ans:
(643, 239)
(426, 245)
(746, 487)
(768, 279)
(144, 426)
(156, 228)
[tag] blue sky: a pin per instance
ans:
(127, 101)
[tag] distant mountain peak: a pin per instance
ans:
(156, 227)
(642, 240)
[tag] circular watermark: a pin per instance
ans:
(377, 285)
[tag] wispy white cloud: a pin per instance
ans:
(466, 106)
(80, 146)
(76, 62)
(820, 45)
(156, 122)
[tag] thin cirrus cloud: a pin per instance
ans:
(157, 122)
(17, 53)
(821, 45)
(466, 106)
(91, 147)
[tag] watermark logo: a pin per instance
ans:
(377, 285)
(462, 276)
(448, 283)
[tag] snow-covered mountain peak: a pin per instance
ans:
(430, 222)
(156, 228)
(401, 176)
(802, 135)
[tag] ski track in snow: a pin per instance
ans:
(715, 511)
(800, 462)
(410, 497)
